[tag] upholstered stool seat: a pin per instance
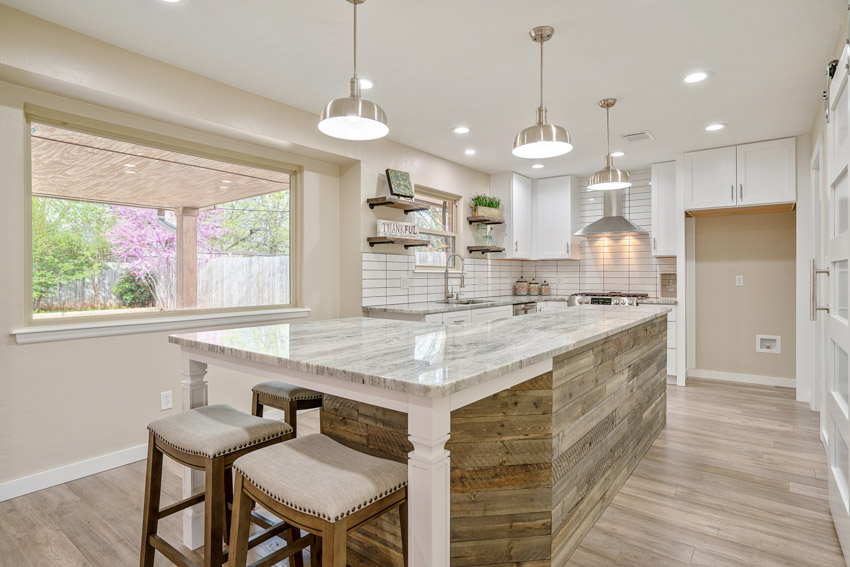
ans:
(322, 487)
(214, 431)
(286, 397)
(209, 439)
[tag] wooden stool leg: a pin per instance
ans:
(334, 547)
(292, 417)
(214, 513)
(293, 534)
(153, 489)
(240, 531)
(228, 498)
(316, 552)
(256, 406)
(402, 515)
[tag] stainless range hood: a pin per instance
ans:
(612, 221)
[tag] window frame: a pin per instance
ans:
(455, 200)
(156, 140)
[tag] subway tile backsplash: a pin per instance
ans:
(623, 263)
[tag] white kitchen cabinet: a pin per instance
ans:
(491, 313)
(767, 172)
(664, 209)
(516, 194)
(710, 178)
(556, 217)
(550, 306)
(457, 317)
(763, 173)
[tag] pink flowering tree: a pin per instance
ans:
(148, 250)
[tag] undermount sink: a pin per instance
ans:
(464, 301)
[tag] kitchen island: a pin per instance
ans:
(544, 416)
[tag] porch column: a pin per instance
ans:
(187, 258)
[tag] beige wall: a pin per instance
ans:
(64, 402)
(761, 247)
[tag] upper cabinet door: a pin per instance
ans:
(710, 178)
(664, 209)
(556, 205)
(767, 172)
(522, 213)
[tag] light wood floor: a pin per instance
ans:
(738, 478)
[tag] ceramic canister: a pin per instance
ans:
(533, 287)
(544, 288)
(521, 287)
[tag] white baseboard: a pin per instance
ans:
(46, 479)
(745, 378)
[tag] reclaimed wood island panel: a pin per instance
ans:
(532, 467)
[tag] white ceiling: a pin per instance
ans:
(442, 63)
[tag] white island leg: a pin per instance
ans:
(428, 470)
(194, 395)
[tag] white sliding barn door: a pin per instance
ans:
(838, 328)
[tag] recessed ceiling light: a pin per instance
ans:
(470, 152)
(129, 165)
(222, 186)
(715, 127)
(618, 154)
(366, 84)
(696, 77)
(460, 130)
(129, 171)
(538, 166)
(226, 181)
(173, 1)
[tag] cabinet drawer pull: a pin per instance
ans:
(741, 193)
(516, 245)
(732, 192)
(568, 247)
(654, 243)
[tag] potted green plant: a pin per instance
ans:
(486, 206)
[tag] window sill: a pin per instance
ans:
(48, 333)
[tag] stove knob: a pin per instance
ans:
(587, 301)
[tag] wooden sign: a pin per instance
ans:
(397, 229)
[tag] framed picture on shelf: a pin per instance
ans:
(400, 184)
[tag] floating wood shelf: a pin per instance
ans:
(395, 203)
(484, 220)
(407, 242)
(484, 249)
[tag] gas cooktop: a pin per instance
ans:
(606, 298)
(611, 294)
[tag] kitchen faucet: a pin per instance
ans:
(448, 295)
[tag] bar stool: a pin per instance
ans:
(320, 486)
(284, 397)
(210, 439)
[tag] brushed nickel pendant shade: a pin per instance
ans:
(353, 117)
(543, 140)
(609, 177)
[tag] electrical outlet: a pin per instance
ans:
(739, 281)
(165, 400)
(404, 282)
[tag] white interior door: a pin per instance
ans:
(838, 328)
(820, 222)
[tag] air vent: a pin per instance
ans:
(635, 136)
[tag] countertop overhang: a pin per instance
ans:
(425, 359)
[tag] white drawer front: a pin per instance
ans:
(671, 361)
(434, 318)
(671, 334)
(490, 314)
(456, 318)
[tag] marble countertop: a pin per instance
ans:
(425, 359)
(427, 308)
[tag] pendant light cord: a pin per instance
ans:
(355, 40)
(541, 73)
(607, 133)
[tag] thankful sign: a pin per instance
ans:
(397, 229)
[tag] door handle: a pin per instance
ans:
(813, 306)
(741, 192)
(732, 192)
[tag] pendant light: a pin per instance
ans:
(609, 177)
(353, 117)
(543, 140)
